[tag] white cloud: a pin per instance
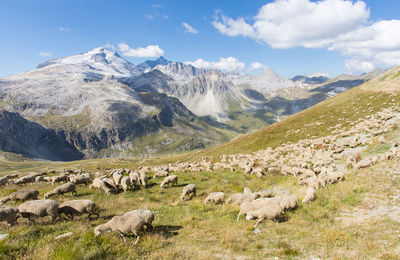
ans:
(256, 66)
(64, 29)
(225, 64)
(337, 25)
(189, 29)
(45, 54)
(149, 51)
(149, 16)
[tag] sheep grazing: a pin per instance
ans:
(323, 178)
(239, 198)
(39, 208)
(215, 197)
(9, 215)
(125, 183)
(80, 179)
(3, 181)
(61, 190)
(143, 179)
(147, 215)
(173, 180)
(334, 177)
(310, 195)
(26, 179)
(266, 193)
(269, 212)
(135, 178)
(160, 174)
(189, 191)
(61, 178)
(288, 202)
(123, 225)
(257, 204)
(117, 178)
(78, 207)
(22, 195)
(101, 185)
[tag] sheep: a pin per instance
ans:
(160, 173)
(80, 179)
(280, 191)
(26, 179)
(61, 178)
(364, 163)
(135, 178)
(147, 215)
(188, 191)
(125, 183)
(323, 178)
(21, 195)
(269, 212)
(288, 202)
(111, 185)
(266, 193)
(39, 179)
(65, 188)
(39, 208)
(334, 177)
(78, 207)
(310, 195)
(173, 180)
(125, 224)
(9, 215)
(215, 197)
(257, 204)
(117, 178)
(310, 182)
(3, 181)
(143, 179)
(101, 185)
(239, 198)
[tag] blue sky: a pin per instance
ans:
(33, 31)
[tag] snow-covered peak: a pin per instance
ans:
(101, 60)
(179, 70)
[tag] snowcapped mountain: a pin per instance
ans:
(100, 61)
(150, 64)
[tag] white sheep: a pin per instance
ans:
(257, 204)
(173, 180)
(60, 178)
(239, 198)
(98, 183)
(188, 191)
(117, 178)
(135, 178)
(9, 215)
(123, 225)
(215, 197)
(22, 195)
(269, 212)
(266, 193)
(80, 179)
(310, 195)
(147, 215)
(323, 178)
(78, 207)
(160, 173)
(334, 177)
(60, 190)
(143, 179)
(39, 208)
(125, 183)
(288, 202)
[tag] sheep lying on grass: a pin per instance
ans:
(9, 215)
(189, 191)
(215, 197)
(246, 207)
(173, 180)
(78, 207)
(269, 212)
(123, 225)
(310, 195)
(39, 208)
(147, 215)
(22, 195)
(61, 190)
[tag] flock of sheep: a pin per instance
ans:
(316, 162)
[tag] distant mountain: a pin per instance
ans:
(150, 64)
(313, 79)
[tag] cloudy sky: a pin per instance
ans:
(290, 36)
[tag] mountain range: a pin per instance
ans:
(97, 104)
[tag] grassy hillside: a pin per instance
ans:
(354, 219)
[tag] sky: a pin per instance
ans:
(292, 37)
